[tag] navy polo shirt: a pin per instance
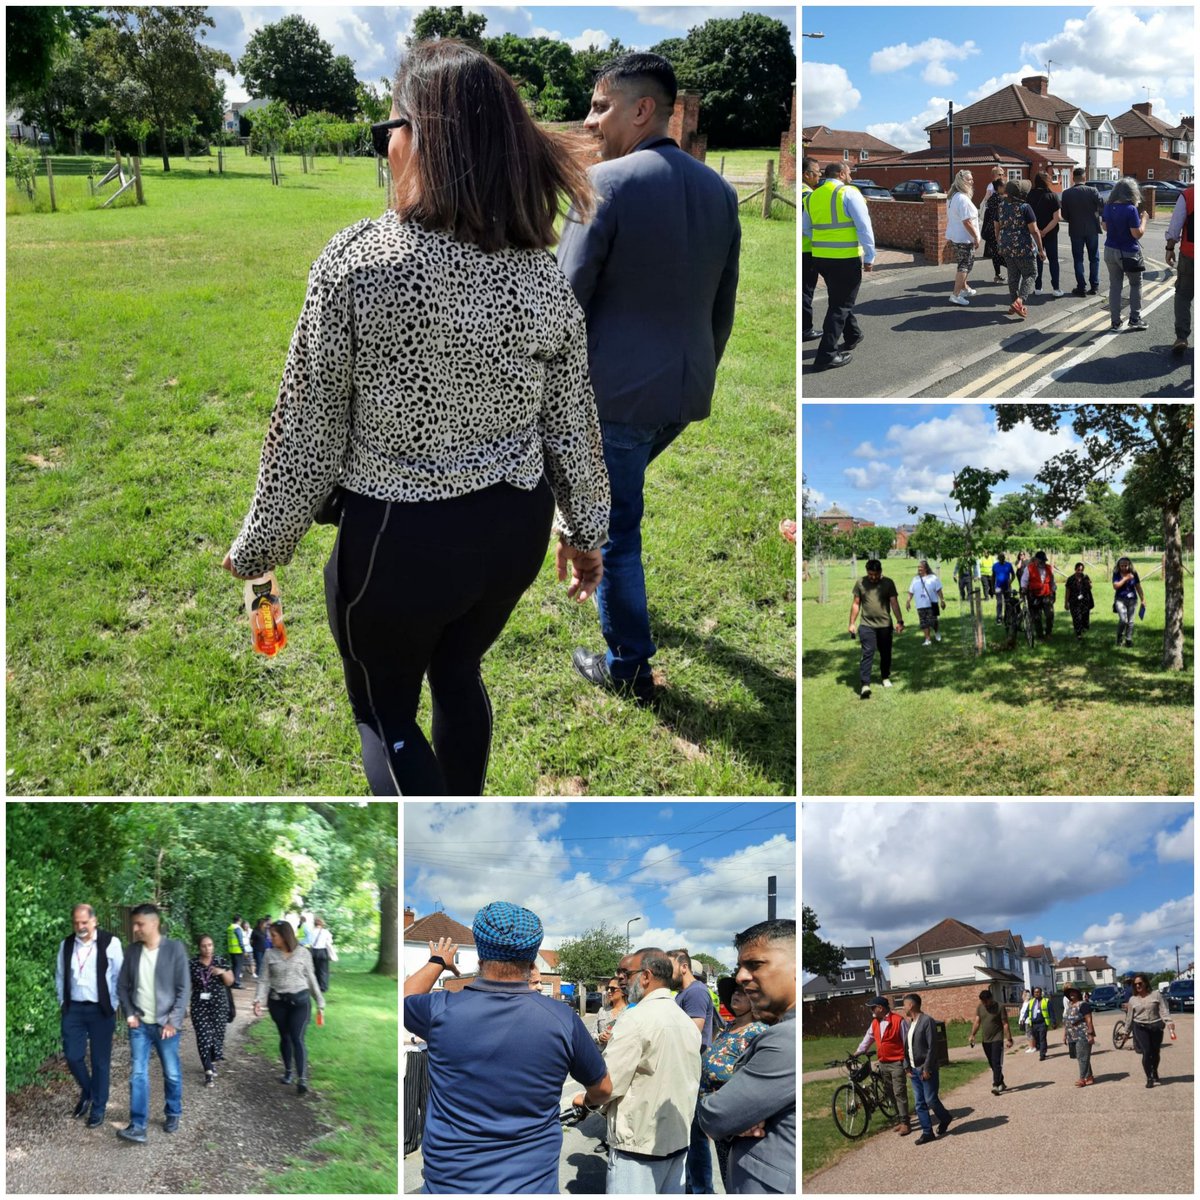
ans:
(499, 1055)
(696, 1002)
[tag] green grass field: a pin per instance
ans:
(816, 1052)
(145, 347)
(1060, 718)
(353, 1071)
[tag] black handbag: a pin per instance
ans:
(1133, 264)
(330, 510)
(232, 1007)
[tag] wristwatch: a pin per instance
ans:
(441, 962)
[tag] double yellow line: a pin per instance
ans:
(1018, 367)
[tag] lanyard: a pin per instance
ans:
(80, 965)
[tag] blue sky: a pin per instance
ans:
(873, 460)
(373, 36)
(890, 70)
(695, 872)
(1087, 878)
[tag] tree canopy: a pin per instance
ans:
(592, 956)
(448, 22)
(819, 957)
(290, 61)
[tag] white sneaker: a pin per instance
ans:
(937, 637)
(887, 683)
(926, 644)
(960, 300)
(1058, 292)
(1030, 1050)
(866, 692)
(1037, 291)
(969, 291)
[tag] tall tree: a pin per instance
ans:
(449, 22)
(161, 48)
(819, 957)
(33, 36)
(744, 69)
(290, 61)
(592, 956)
(1160, 440)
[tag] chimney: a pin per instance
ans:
(409, 917)
(1036, 83)
(1143, 108)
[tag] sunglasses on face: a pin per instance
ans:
(612, 989)
(381, 134)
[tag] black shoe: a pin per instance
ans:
(809, 334)
(288, 1078)
(594, 668)
(133, 1133)
(846, 347)
(301, 1086)
(85, 1102)
(96, 1119)
(941, 1129)
(925, 1139)
(1079, 291)
(840, 359)
(1138, 324)
(170, 1124)
(1093, 291)
(1149, 1082)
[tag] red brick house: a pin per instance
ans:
(858, 149)
(1153, 149)
(843, 522)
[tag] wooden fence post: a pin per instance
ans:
(769, 189)
(50, 182)
(137, 180)
(722, 165)
(220, 161)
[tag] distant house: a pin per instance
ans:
(903, 533)
(1091, 971)
(852, 981)
(1153, 149)
(17, 130)
(420, 931)
(230, 120)
(842, 521)
(953, 954)
(850, 146)
(1038, 968)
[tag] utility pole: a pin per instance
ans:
(950, 123)
(770, 897)
(1176, 962)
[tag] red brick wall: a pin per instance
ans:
(907, 225)
(787, 148)
(1138, 155)
(684, 122)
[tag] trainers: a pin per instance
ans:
(937, 637)
(887, 683)
(1057, 292)
(969, 291)
(960, 300)
(1138, 324)
(809, 334)
(1037, 290)
(866, 692)
(1079, 291)
(1093, 291)
(594, 668)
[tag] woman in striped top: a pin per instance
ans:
(1148, 1016)
(285, 982)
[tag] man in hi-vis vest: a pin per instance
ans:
(810, 179)
(233, 943)
(843, 246)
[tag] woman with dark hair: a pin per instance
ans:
(437, 387)
(1079, 600)
(1078, 1031)
(1020, 242)
(1127, 584)
(1046, 206)
(211, 975)
(1147, 1016)
(286, 981)
(1125, 226)
(260, 943)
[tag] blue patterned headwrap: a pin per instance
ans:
(506, 932)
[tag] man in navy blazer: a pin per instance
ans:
(655, 272)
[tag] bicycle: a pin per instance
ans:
(856, 1101)
(1122, 1033)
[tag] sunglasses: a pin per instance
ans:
(381, 134)
(612, 989)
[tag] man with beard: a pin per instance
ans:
(757, 1107)
(654, 1062)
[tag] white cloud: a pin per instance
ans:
(589, 37)
(816, 497)
(235, 90)
(1177, 847)
(665, 814)
(867, 450)
(932, 50)
(910, 134)
(826, 93)
(938, 74)
(1147, 941)
(660, 864)
(868, 476)
(682, 17)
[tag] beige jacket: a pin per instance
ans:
(654, 1062)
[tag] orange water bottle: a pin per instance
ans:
(320, 1016)
(1171, 1027)
(265, 610)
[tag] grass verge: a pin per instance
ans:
(816, 1052)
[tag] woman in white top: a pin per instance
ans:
(926, 589)
(962, 230)
(438, 380)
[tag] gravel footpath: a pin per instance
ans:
(230, 1136)
(1114, 1137)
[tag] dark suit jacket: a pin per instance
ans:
(172, 983)
(655, 272)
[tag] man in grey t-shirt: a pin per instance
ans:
(1081, 209)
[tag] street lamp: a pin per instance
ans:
(627, 925)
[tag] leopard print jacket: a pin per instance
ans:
(422, 368)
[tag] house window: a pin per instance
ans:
(1104, 140)
(933, 966)
(1166, 145)
(966, 135)
(1075, 136)
(845, 156)
(1043, 133)
(1014, 173)
(1078, 975)
(1054, 174)
(863, 155)
(1150, 173)
(848, 976)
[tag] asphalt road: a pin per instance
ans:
(918, 345)
(1045, 1135)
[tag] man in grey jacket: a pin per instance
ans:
(920, 1060)
(757, 1107)
(655, 272)
(154, 987)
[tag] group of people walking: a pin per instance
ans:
(155, 984)
(1017, 229)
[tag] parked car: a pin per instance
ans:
(915, 189)
(870, 192)
(1103, 186)
(1105, 996)
(862, 183)
(1180, 995)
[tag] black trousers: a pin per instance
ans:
(843, 278)
(235, 961)
(1042, 608)
(809, 281)
(1040, 1031)
(1148, 1041)
(872, 639)
(321, 968)
(292, 1020)
(995, 1057)
(424, 589)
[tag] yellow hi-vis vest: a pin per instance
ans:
(834, 234)
(805, 240)
(235, 945)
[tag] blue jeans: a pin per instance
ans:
(141, 1040)
(81, 1023)
(621, 596)
(1091, 243)
(699, 1175)
(925, 1093)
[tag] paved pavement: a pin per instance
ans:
(918, 345)
(1044, 1134)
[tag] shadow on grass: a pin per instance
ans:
(769, 742)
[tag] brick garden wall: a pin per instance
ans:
(908, 225)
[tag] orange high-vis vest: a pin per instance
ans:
(1039, 578)
(889, 1043)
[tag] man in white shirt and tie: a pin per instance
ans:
(85, 980)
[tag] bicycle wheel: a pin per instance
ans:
(851, 1111)
(884, 1100)
(1120, 1036)
(1029, 631)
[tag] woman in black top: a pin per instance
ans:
(1045, 204)
(211, 975)
(260, 942)
(1079, 600)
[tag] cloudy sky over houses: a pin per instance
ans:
(695, 872)
(1087, 878)
(891, 70)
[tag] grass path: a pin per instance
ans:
(144, 353)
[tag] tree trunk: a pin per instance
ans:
(1173, 579)
(76, 133)
(388, 902)
(162, 145)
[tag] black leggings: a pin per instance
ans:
(292, 1020)
(416, 589)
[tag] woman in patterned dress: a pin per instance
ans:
(211, 975)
